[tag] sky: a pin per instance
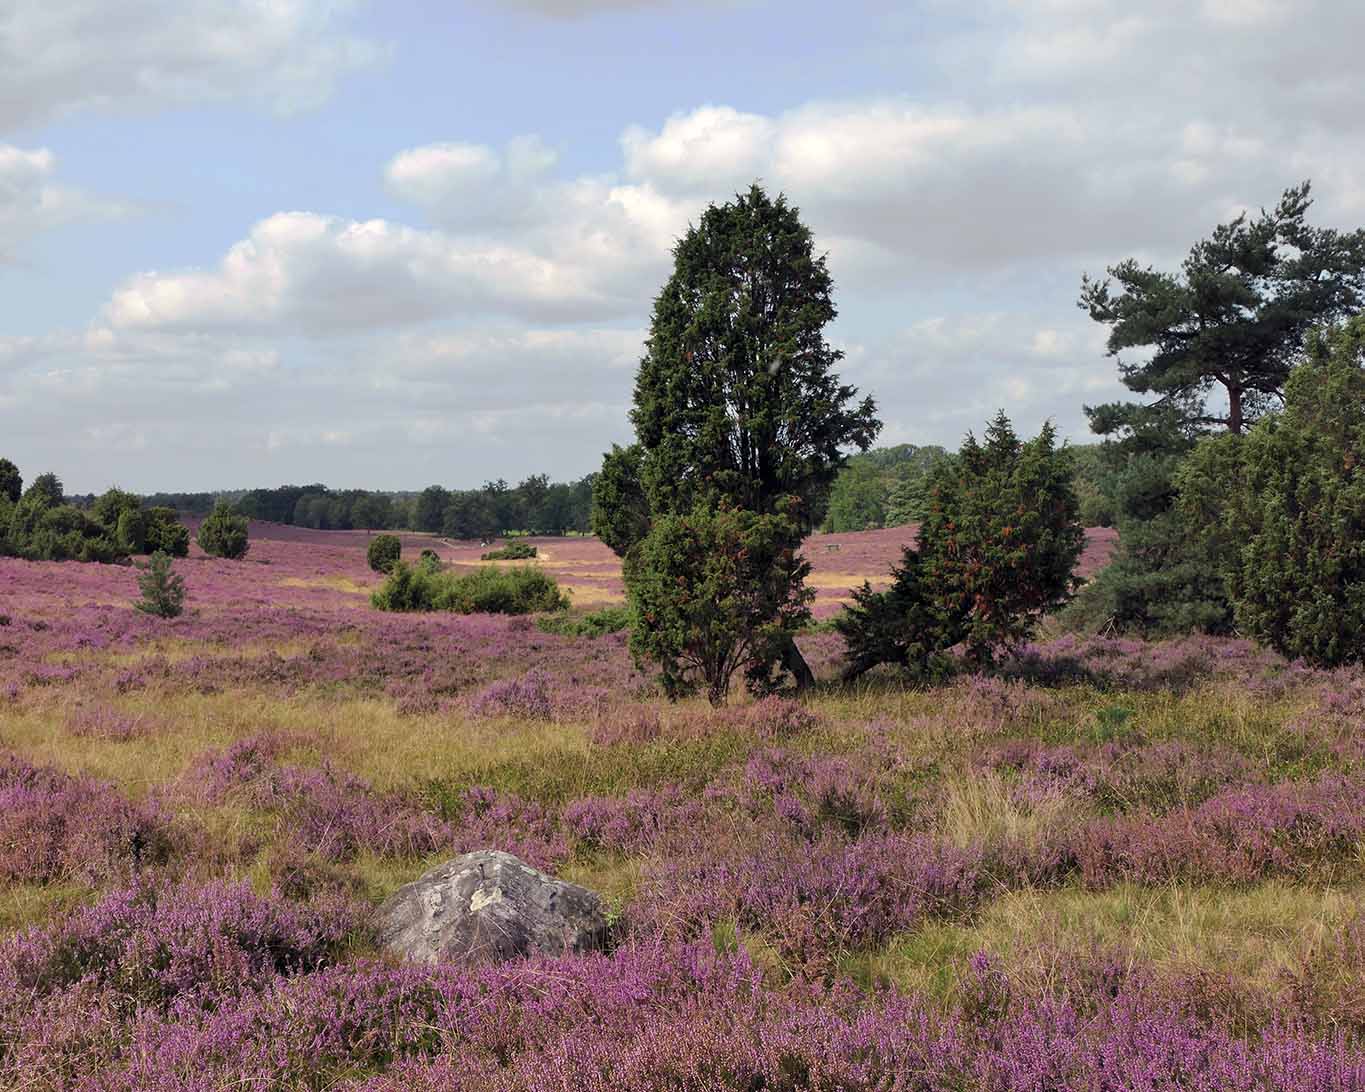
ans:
(385, 245)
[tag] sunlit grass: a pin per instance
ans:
(1254, 933)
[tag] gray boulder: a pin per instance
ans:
(486, 907)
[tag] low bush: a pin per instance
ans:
(224, 533)
(513, 551)
(599, 622)
(384, 552)
(521, 590)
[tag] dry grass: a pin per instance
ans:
(982, 808)
(1254, 933)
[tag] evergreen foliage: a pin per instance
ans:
(620, 510)
(383, 552)
(1237, 315)
(995, 551)
(163, 591)
(166, 533)
(1298, 510)
(737, 398)
(741, 425)
(224, 533)
(11, 482)
(715, 592)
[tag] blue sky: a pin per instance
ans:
(385, 245)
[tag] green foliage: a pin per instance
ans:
(741, 425)
(1298, 580)
(736, 399)
(517, 590)
(430, 509)
(714, 592)
(596, 624)
(384, 552)
(62, 533)
(1167, 575)
(131, 530)
(224, 533)
(1163, 580)
(429, 561)
(513, 551)
(857, 501)
(1236, 317)
(11, 483)
(163, 591)
(994, 552)
(46, 491)
(897, 626)
(1093, 486)
(620, 510)
(165, 532)
(1001, 537)
(110, 505)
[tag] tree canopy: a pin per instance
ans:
(1235, 317)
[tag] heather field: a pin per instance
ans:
(1110, 866)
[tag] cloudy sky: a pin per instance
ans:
(248, 242)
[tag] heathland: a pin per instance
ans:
(1108, 864)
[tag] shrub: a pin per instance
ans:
(131, 531)
(513, 551)
(996, 550)
(163, 591)
(429, 560)
(596, 624)
(521, 590)
(224, 533)
(384, 551)
(715, 592)
(166, 533)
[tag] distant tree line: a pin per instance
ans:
(890, 487)
(534, 506)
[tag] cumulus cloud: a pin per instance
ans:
(304, 272)
(57, 57)
(32, 200)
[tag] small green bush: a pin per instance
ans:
(224, 533)
(384, 552)
(513, 551)
(606, 620)
(521, 590)
(429, 561)
(163, 591)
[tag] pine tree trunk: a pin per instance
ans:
(1235, 410)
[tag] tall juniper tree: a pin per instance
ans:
(737, 402)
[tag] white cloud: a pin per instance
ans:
(32, 201)
(303, 272)
(57, 56)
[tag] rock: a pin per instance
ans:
(486, 907)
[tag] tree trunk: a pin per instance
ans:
(794, 662)
(1235, 410)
